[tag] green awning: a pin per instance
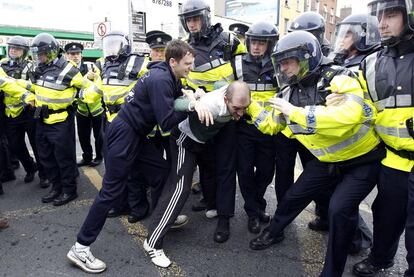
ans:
(92, 53)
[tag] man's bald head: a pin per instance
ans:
(237, 98)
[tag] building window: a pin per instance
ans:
(325, 12)
(298, 5)
(332, 16)
(287, 3)
(317, 6)
(286, 25)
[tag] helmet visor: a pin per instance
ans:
(113, 44)
(346, 37)
(290, 66)
(43, 56)
(409, 4)
(387, 14)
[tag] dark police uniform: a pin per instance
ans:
(88, 117)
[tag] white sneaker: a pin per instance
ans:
(211, 213)
(85, 260)
(157, 256)
(180, 221)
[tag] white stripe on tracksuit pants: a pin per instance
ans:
(177, 188)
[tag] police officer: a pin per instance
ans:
(151, 102)
(287, 147)
(157, 41)
(56, 82)
(240, 30)
(88, 116)
(118, 72)
(16, 90)
(19, 121)
(255, 150)
(391, 89)
(314, 23)
(351, 42)
(351, 46)
(342, 139)
(215, 52)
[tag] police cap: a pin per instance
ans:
(157, 39)
(239, 28)
(73, 47)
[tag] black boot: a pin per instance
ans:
(253, 225)
(368, 268)
(265, 240)
(222, 232)
(319, 224)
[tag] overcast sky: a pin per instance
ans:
(79, 15)
(358, 6)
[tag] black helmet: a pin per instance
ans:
(311, 22)
(299, 45)
(115, 44)
(193, 8)
(46, 45)
(262, 31)
(409, 4)
(352, 34)
(378, 7)
(18, 42)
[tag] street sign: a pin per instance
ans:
(100, 29)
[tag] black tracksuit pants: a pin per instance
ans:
(185, 153)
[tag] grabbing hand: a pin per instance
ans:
(91, 75)
(204, 115)
(189, 94)
(199, 93)
(335, 99)
(281, 105)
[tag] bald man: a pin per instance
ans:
(188, 145)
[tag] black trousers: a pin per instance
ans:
(185, 153)
(124, 148)
(409, 228)
(16, 129)
(286, 151)
(56, 147)
(350, 184)
(390, 214)
(255, 150)
(221, 167)
(6, 166)
(85, 126)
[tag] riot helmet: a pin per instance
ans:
(351, 35)
(192, 9)
(17, 42)
(44, 48)
(262, 32)
(387, 12)
(409, 4)
(311, 22)
(296, 56)
(115, 44)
